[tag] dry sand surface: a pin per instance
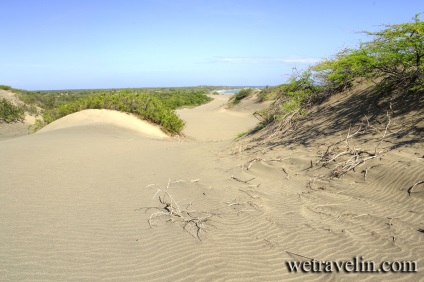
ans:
(214, 122)
(74, 206)
(110, 118)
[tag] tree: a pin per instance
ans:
(397, 52)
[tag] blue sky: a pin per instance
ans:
(74, 44)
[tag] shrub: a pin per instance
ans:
(394, 55)
(142, 105)
(5, 87)
(393, 60)
(9, 112)
(236, 98)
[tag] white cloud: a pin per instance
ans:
(266, 60)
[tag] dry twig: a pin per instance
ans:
(410, 189)
(356, 156)
(242, 181)
(247, 192)
(192, 221)
(365, 171)
(287, 123)
(291, 253)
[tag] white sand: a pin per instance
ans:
(70, 199)
(106, 117)
(213, 122)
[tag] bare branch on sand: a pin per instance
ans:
(350, 156)
(192, 221)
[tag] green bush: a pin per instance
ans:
(176, 98)
(394, 56)
(172, 98)
(393, 59)
(142, 105)
(5, 87)
(236, 98)
(9, 112)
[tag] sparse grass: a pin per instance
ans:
(263, 95)
(267, 94)
(241, 134)
(236, 98)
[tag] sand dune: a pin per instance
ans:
(74, 205)
(109, 117)
(213, 122)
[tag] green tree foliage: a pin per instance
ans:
(143, 105)
(155, 105)
(340, 72)
(176, 98)
(9, 112)
(394, 55)
(393, 60)
(295, 94)
(172, 97)
(397, 52)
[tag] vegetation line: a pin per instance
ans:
(154, 107)
(392, 61)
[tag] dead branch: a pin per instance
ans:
(191, 223)
(247, 192)
(235, 202)
(365, 171)
(288, 123)
(391, 219)
(261, 159)
(242, 181)
(351, 155)
(309, 183)
(291, 253)
(410, 189)
(254, 160)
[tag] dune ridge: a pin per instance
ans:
(109, 117)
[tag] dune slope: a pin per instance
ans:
(103, 117)
(214, 122)
(74, 205)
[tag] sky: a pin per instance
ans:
(82, 44)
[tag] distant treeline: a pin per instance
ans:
(49, 99)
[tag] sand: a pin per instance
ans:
(93, 117)
(73, 205)
(215, 122)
